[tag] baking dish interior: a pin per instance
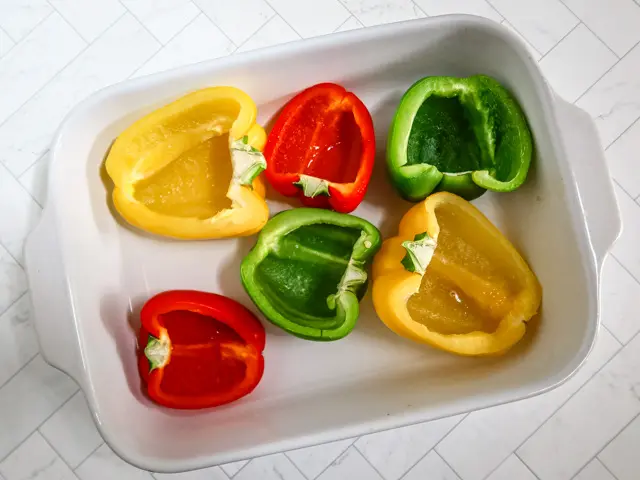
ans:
(372, 379)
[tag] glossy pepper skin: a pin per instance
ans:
(460, 135)
(165, 164)
(322, 148)
(307, 271)
(198, 349)
(450, 279)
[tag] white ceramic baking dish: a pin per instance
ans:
(90, 274)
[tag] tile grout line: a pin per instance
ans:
(577, 391)
(26, 292)
(43, 421)
(637, 415)
(604, 466)
(91, 453)
(624, 267)
(415, 5)
(559, 42)
(144, 26)
(559, 406)
(212, 21)
(605, 73)
(355, 447)
(526, 40)
(285, 20)
(63, 67)
(20, 369)
(275, 14)
(51, 445)
(162, 46)
(525, 464)
(12, 41)
(44, 19)
(434, 447)
(337, 457)
(72, 26)
(295, 466)
(342, 24)
(588, 28)
(618, 137)
(41, 157)
(443, 459)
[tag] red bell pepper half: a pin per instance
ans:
(322, 148)
(199, 350)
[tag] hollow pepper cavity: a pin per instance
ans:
(198, 349)
(307, 271)
(452, 280)
(190, 169)
(322, 148)
(461, 135)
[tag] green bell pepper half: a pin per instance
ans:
(460, 135)
(307, 271)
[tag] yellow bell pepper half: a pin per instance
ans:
(450, 279)
(190, 169)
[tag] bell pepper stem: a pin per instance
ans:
(248, 162)
(313, 186)
(157, 351)
(419, 253)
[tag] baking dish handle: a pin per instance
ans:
(52, 308)
(595, 188)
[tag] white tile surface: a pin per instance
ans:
(274, 32)
(19, 17)
(621, 455)
(620, 301)
(239, 19)
(13, 281)
(113, 57)
(626, 248)
(163, 18)
(311, 17)
(33, 62)
(212, 473)
(594, 470)
(18, 214)
(35, 460)
(543, 22)
(200, 40)
(18, 342)
(622, 160)
(49, 63)
(311, 461)
(351, 464)
(6, 43)
(28, 399)
(483, 440)
(594, 415)
(614, 101)
(616, 22)
(431, 467)
(394, 452)
(232, 468)
(576, 63)
(89, 19)
(511, 469)
(376, 12)
(103, 464)
(271, 467)
(71, 431)
(472, 7)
